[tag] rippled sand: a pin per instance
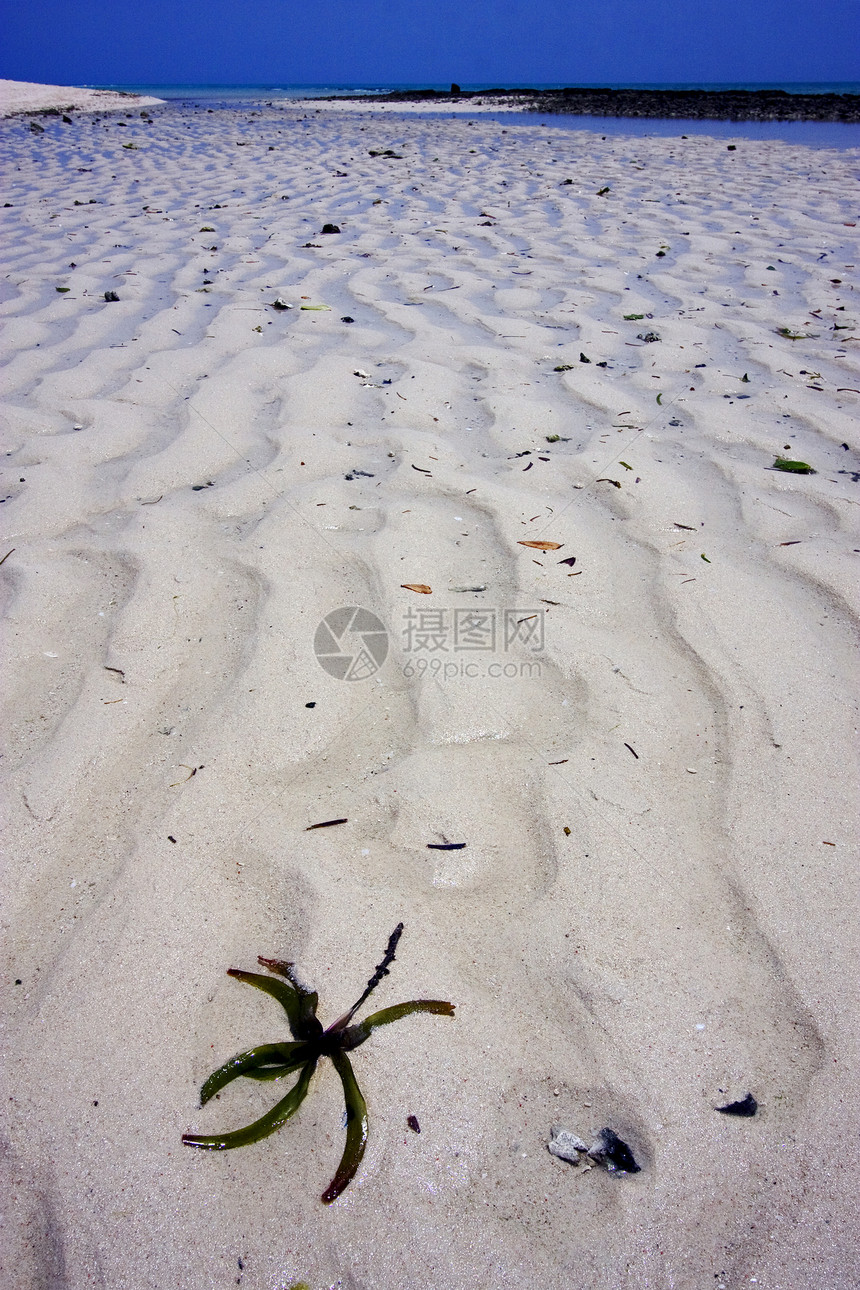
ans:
(655, 911)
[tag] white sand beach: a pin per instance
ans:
(649, 753)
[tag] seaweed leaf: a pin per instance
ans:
(261, 1128)
(291, 1057)
(355, 1035)
(273, 1072)
(285, 994)
(356, 1129)
(307, 1023)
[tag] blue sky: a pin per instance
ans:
(428, 41)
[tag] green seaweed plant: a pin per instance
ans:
(311, 1044)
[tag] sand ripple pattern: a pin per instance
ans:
(654, 909)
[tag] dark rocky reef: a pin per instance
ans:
(701, 105)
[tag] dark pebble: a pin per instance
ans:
(614, 1152)
(412, 1121)
(746, 1107)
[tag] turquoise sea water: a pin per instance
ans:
(811, 133)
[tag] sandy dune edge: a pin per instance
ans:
(195, 479)
(28, 96)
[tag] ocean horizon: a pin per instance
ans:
(288, 90)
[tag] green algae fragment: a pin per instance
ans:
(793, 467)
(795, 335)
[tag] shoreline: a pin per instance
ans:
(766, 105)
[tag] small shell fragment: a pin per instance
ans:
(567, 1145)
